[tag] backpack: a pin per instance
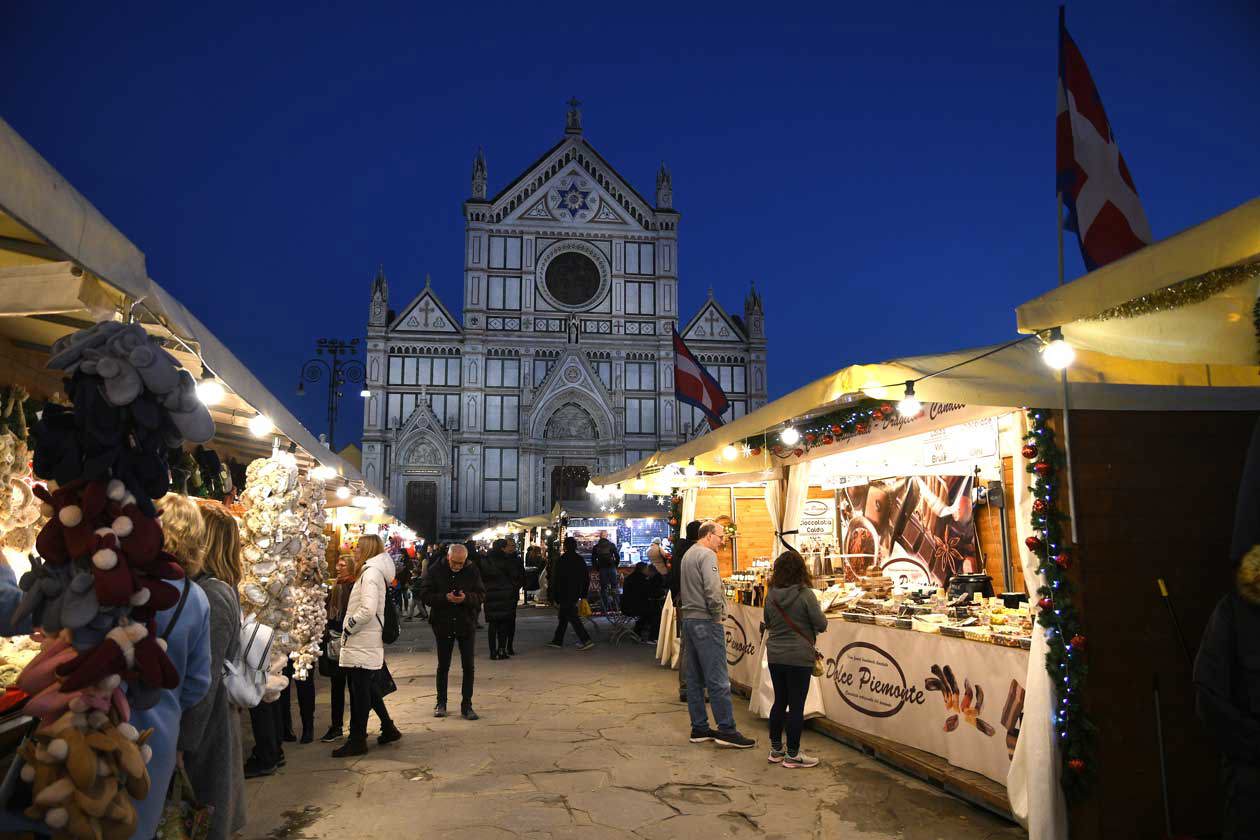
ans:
(389, 627)
(604, 555)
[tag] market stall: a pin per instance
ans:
(901, 510)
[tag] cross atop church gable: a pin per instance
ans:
(426, 309)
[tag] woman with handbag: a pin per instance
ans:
(210, 732)
(363, 648)
(329, 664)
(793, 622)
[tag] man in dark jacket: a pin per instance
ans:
(571, 582)
(453, 592)
(605, 559)
(641, 597)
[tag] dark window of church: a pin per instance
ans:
(573, 278)
(395, 370)
(542, 367)
(500, 470)
(503, 373)
(454, 479)
(640, 376)
(640, 416)
(604, 369)
(502, 413)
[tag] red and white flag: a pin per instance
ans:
(696, 386)
(1098, 191)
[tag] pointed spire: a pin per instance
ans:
(428, 281)
(753, 301)
(380, 298)
(479, 174)
(664, 188)
(573, 120)
(710, 293)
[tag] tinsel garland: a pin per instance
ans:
(1184, 293)
(1056, 610)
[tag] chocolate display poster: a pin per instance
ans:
(916, 530)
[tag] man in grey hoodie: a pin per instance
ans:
(702, 608)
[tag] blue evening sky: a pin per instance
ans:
(884, 171)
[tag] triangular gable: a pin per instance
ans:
(571, 370)
(426, 314)
(572, 157)
(422, 420)
(712, 324)
(572, 197)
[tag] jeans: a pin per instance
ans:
(363, 699)
(265, 721)
(682, 654)
(791, 686)
(608, 595)
(338, 680)
(705, 663)
(568, 617)
(446, 647)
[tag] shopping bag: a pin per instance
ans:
(183, 817)
(584, 608)
(763, 694)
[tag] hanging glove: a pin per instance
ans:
(113, 656)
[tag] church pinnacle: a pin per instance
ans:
(664, 188)
(573, 120)
(479, 176)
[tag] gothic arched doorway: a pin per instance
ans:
(568, 482)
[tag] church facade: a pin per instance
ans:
(560, 364)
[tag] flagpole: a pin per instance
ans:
(1063, 374)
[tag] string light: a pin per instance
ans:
(729, 452)
(260, 425)
(790, 436)
(209, 390)
(909, 405)
(1058, 354)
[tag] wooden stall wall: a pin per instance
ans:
(715, 503)
(1155, 496)
(989, 533)
(756, 534)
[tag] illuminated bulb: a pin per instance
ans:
(1058, 354)
(639, 485)
(323, 473)
(790, 436)
(342, 492)
(729, 452)
(365, 393)
(260, 425)
(690, 469)
(363, 501)
(210, 391)
(909, 405)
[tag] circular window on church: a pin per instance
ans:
(573, 278)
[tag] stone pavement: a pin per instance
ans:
(582, 745)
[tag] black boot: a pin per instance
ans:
(389, 734)
(466, 710)
(440, 709)
(354, 745)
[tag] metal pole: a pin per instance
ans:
(1067, 402)
(332, 401)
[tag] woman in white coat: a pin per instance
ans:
(362, 650)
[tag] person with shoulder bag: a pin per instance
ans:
(363, 646)
(210, 732)
(793, 621)
(329, 661)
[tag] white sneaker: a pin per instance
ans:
(800, 760)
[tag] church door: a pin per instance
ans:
(421, 514)
(569, 483)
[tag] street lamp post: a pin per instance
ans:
(338, 371)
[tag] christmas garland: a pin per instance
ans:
(1057, 613)
(676, 525)
(825, 429)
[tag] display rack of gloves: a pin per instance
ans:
(101, 576)
(19, 509)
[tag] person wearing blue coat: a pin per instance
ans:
(188, 646)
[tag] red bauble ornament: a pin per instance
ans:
(756, 450)
(1045, 603)
(835, 428)
(1039, 506)
(861, 428)
(1077, 642)
(1033, 543)
(1042, 469)
(885, 409)
(1077, 765)
(673, 522)
(1063, 561)
(798, 453)
(828, 440)
(1029, 451)
(809, 438)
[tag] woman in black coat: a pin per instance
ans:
(503, 575)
